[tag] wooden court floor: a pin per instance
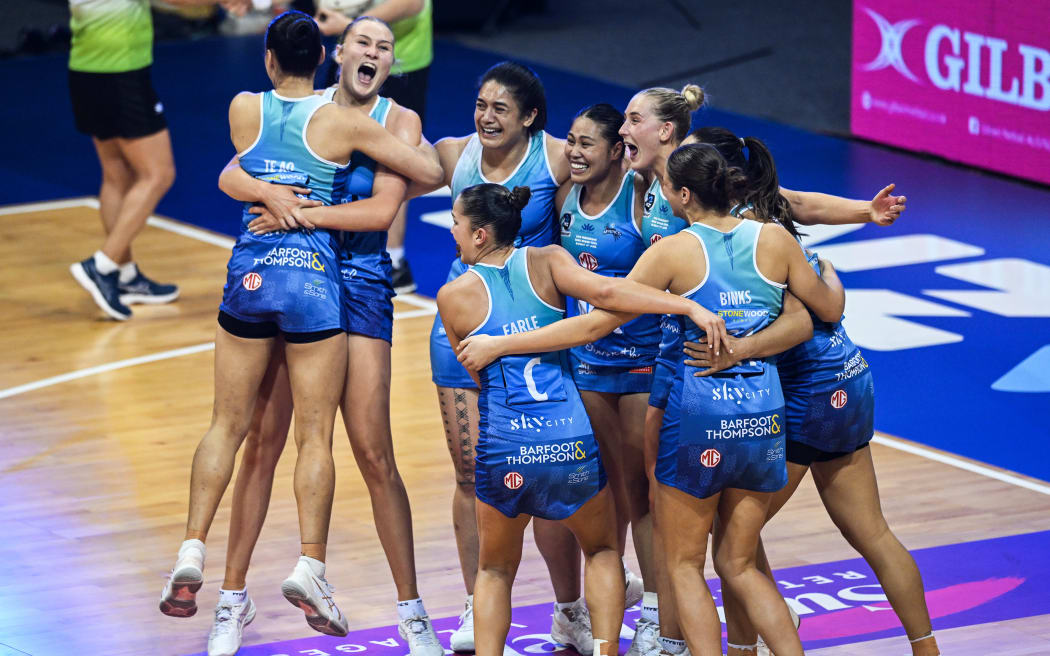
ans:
(100, 420)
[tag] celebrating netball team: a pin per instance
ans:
(631, 334)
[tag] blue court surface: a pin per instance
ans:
(951, 305)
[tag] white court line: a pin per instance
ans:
(426, 307)
(960, 464)
(111, 366)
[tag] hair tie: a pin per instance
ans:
(742, 144)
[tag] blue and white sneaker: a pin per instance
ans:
(143, 290)
(104, 289)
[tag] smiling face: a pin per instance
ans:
(590, 155)
(643, 134)
(498, 118)
(365, 58)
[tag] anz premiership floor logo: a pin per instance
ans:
(953, 60)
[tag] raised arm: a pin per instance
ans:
(779, 253)
(791, 328)
(811, 208)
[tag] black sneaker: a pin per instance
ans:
(401, 277)
(143, 290)
(103, 288)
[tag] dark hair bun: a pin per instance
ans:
(733, 181)
(519, 197)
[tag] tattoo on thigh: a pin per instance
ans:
(466, 450)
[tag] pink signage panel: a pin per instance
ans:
(969, 81)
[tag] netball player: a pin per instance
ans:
(598, 215)
(536, 454)
(829, 404)
(657, 121)
(364, 53)
(257, 307)
(510, 148)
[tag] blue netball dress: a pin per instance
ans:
(289, 277)
(610, 244)
(538, 228)
(536, 451)
(829, 393)
(658, 221)
(368, 292)
(727, 430)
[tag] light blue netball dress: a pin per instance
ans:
(536, 451)
(727, 430)
(368, 291)
(610, 244)
(538, 228)
(288, 277)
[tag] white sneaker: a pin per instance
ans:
(226, 631)
(418, 632)
(646, 638)
(635, 589)
(572, 627)
(313, 595)
(179, 598)
(463, 638)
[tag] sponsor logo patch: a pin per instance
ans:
(251, 281)
(513, 480)
(710, 458)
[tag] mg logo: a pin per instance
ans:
(252, 281)
(838, 399)
(655, 238)
(710, 458)
(588, 261)
(891, 53)
(513, 480)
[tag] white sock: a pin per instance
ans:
(397, 254)
(672, 646)
(316, 566)
(411, 608)
(128, 272)
(105, 265)
(192, 544)
(650, 608)
(572, 604)
(233, 596)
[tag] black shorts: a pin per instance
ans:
(108, 105)
(409, 90)
(805, 455)
(266, 329)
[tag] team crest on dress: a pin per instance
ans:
(650, 200)
(566, 223)
(609, 230)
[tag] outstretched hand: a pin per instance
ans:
(478, 351)
(885, 209)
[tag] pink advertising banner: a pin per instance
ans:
(967, 80)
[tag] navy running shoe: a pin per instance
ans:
(401, 278)
(104, 289)
(143, 290)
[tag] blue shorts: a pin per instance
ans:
(289, 278)
(610, 378)
(550, 479)
(722, 432)
(368, 305)
(839, 419)
(663, 377)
